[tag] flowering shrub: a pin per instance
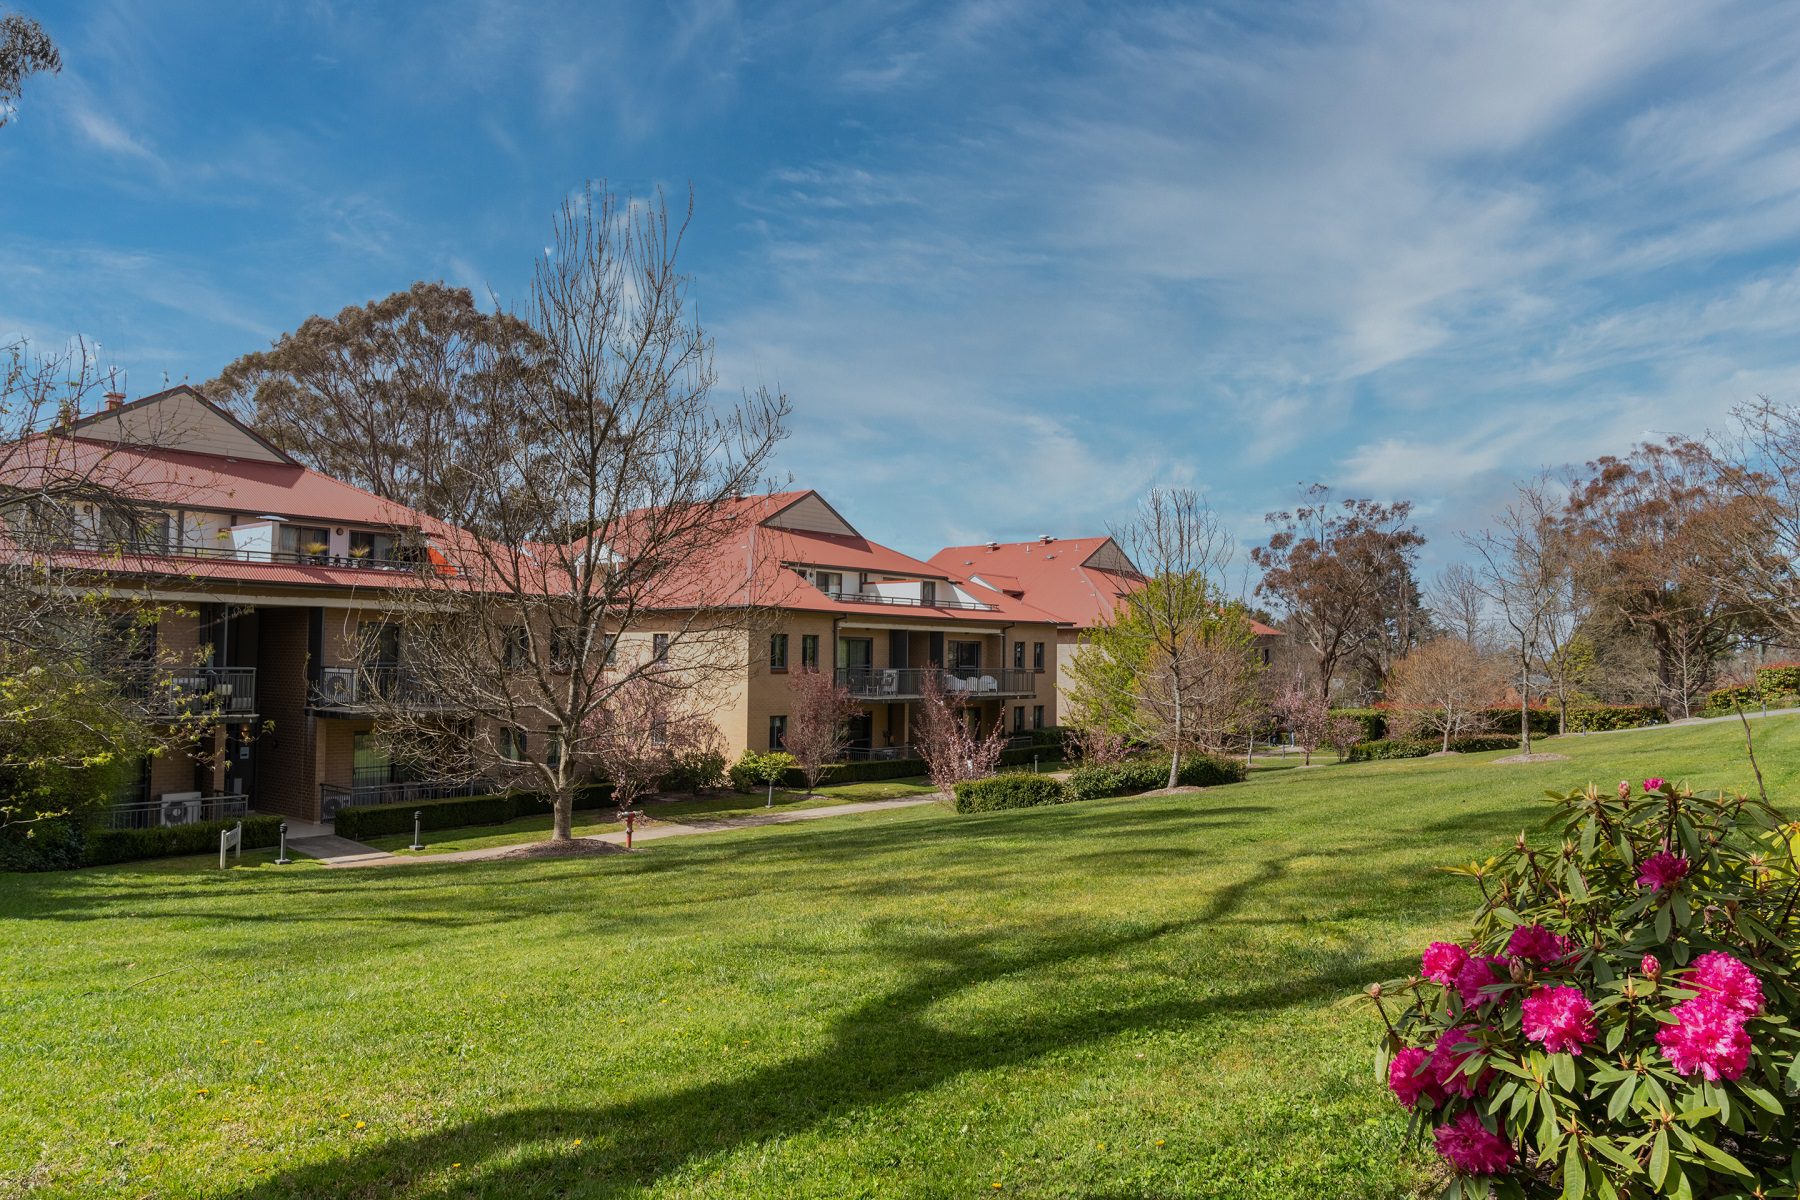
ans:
(1623, 1020)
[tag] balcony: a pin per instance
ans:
(227, 692)
(905, 601)
(175, 808)
(366, 689)
(333, 797)
(958, 683)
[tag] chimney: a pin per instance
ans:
(115, 400)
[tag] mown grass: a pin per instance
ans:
(718, 806)
(1128, 998)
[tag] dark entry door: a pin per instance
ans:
(862, 730)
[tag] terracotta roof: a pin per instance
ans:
(1055, 576)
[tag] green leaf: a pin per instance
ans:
(1614, 1036)
(1659, 1158)
(1564, 1067)
(1620, 1104)
(1662, 923)
(1574, 1173)
(1760, 1097)
(1723, 1159)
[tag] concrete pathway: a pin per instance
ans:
(342, 852)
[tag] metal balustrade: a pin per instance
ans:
(174, 809)
(361, 689)
(958, 683)
(226, 691)
(333, 797)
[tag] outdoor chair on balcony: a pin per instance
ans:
(989, 684)
(890, 683)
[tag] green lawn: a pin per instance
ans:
(724, 805)
(1129, 998)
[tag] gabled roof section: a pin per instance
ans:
(179, 418)
(807, 512)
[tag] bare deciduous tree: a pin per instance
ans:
(953, 751)
(640, 732)
(1342, 734)
(818, 728)
(1757, 463)
(527, 630)
(1441, 688)
(1521, 572)
(1459, 603)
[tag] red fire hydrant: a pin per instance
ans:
(630, 817)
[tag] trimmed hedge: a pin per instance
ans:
(63, 844)
(1008, 791)
(1778, 679)
(1147, 774)
(167, 841)
(378, 819)
(1372, 720)
(1383, 749)
(1602, 718)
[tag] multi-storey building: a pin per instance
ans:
(277, 588)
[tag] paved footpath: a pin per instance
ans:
(333, 851)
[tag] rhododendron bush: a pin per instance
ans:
(1621, 1021)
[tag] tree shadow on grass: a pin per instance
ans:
(890, 1046)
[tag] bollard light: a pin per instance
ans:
(418, 816)
(281, 858)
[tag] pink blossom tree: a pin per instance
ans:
(818, 728)
(640, 733)
(1301, 711)
(952, 751)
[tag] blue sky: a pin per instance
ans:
(1013, 262)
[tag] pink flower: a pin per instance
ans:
(1709, 1038)
(1559, 1017)
(1654, 784)
(1442, 960)
(1472, 1147)
(1650, 966)
(1410, 1077)
(1729, 980)
(1624, 789)
(1534, 943)
(1447, 1061)
(1476, 974)
(1662, 870)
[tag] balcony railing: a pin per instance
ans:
(362, 689)
(909, 601)
(333, 796)
(175, 810)
(168, 547)
(230, 692)
(958, 683)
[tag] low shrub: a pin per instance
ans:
(1372, 720)
(1543, 720)
(1619, 1019)
(49, 845)
(1726, 699)
(753, 770)
(1386, 748)
(1601, 718)
(1778, 679)
(1015, 790)
(165, 841)
(695, 771)
(1147, 774)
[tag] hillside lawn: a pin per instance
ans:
(1125, 998)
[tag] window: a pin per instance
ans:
(1037, 716)
(368, 546)
(1018, 718)
(965, 655)
(515, 647)
(512, 744)
(609, 646)
(809, 651)
(829, 582)
(928, 593)
(553, 750)
(1019, 656)
(305, 541)
(138, 532)
(380, 643)
(778, 651)
(562, 648)
(1265, 656)
(1037, 656)
(659, 647)
(777, 732)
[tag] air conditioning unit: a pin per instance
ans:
(339, 687)
(180, 808)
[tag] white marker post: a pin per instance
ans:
(231, 839)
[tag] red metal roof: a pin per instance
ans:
(1054, 576)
